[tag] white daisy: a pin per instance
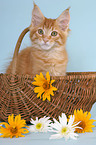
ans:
(64, 129)
(40, 125)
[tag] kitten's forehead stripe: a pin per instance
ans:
(49, 23)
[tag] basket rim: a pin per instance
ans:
(69, 75)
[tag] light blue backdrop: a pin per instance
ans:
(15, 15)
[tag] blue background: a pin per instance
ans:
(15, 15)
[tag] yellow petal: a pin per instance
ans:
(38, 89)
(40, 93)
(22, 135)
(75, 112)
(23, 130)
(88, 130)
(44, 97)
(53, 88)
(4, 130)
(52, 93)
(5, 135)
(11, 119)
(85, 114)
(48, 76)
(92, 120)
(21, 124)
(18, 118)
(88, 116)
(91, 126)
(81, 111)
(41, 75)
(48, 97)
(52, 81)
(39, 83)
(6, 124)
(79, 114)
(39, 78)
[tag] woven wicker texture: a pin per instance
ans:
(75, 91)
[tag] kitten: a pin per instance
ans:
(47, 52)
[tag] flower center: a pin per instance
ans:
(46, 85)
(14, 130)
(38, 125)
(64, 130)
(82, 124)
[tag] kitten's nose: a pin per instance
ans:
(45, 40)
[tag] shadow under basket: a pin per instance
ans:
(75, 91)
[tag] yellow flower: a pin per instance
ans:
(86, 123)
(14, 127)
(44, 86)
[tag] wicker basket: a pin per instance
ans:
(75, 91)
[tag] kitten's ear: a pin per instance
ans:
(63, 20)
(37, 16)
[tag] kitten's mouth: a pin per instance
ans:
(46, 46)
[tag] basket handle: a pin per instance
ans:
(18, 44)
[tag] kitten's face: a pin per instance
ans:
(47, 33)
(46, 36)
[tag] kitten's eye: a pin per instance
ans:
(40, 31)
(54, 33)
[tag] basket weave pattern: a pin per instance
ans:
(75, 91)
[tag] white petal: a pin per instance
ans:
(48, 121)
(56, 126)
(42, 119)
(47, 129)
(57, 123)
(36, 118)
(71, 120)
(66, 137)
(53, 130)
(63, 120)
(45, 120)
(32, 121)
(32, 128)
(76, 123)
(56, 136)
(73, 135)
(78, 127)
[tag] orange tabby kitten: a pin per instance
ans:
(47, 52)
